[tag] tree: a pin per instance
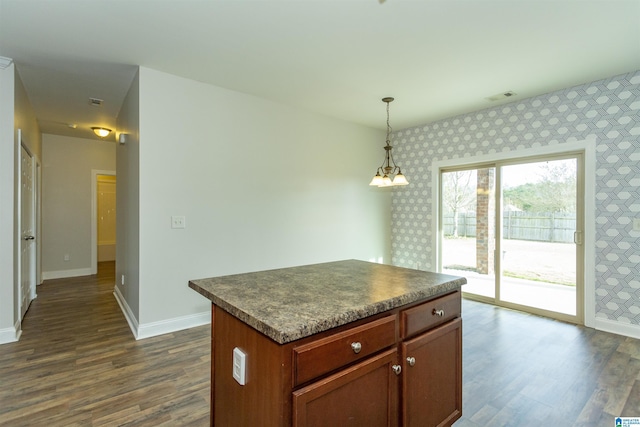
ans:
(554, 190)
(458, 192)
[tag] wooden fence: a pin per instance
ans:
(542, 227)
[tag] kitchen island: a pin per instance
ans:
(338, 343)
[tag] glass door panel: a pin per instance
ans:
(468, 222)
(539, 213)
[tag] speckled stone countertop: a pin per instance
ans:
(292, 303)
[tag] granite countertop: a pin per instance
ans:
(292, 303)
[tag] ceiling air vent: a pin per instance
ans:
(5, 62)
(96, 102)
(501, 96)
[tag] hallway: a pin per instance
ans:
(77, 363)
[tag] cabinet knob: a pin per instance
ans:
(439, 313)
(411, 361)
(356, 347)
(396, 369)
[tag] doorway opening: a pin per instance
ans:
(514, 229)
(106, 218)
(103, 219)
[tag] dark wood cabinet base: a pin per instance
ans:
(402, 367)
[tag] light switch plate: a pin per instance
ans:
(636, 224)
(178, 222)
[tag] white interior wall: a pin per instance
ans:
(7, 172)
(128, 205)
(66, 201)
(261, 186)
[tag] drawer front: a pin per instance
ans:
(328, 354)
(430, 314)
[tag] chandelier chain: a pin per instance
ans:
(388, 125)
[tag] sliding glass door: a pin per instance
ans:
(468, 222)
(514, 229)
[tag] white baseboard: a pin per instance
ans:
(618, 328)
(126, 310)
(61, 274)
(148, 330)
(162, 327)
(8, 335)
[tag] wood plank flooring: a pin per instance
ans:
(524, 370)
(77, 364)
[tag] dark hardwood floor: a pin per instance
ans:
(524, 370)
(77, 364)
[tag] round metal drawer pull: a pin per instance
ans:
(438, 312)
(411, 361)
(356, 347)
(396, 369)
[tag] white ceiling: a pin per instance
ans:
(438, 58)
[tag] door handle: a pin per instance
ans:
(29, 237)
(577, 237)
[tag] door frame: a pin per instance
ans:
(588, 148)
(94, 215)
(35, 215)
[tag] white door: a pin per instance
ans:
(27, 223)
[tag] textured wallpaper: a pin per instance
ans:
(607, 109)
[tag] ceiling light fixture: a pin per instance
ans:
(384, 175)
(101, 132)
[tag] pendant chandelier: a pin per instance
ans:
(389, 174)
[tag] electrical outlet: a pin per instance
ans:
(239, 366)
(178, 222)
(67, 257)
(636, 224)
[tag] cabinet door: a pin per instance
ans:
(365, 394)
(432, 377)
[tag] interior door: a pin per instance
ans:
(27, 224)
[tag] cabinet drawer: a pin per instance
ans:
(430, 314)
(327, 354)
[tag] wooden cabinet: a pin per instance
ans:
(362, 395)
(399, 368)
(432, 377)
